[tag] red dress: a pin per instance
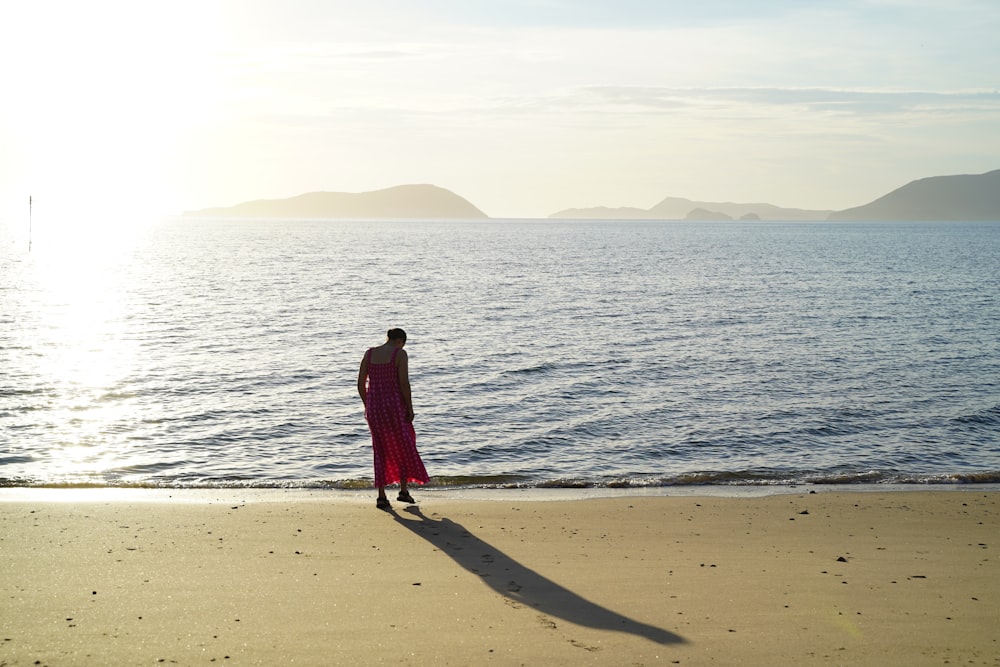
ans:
(393, 438)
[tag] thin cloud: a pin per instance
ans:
(820, 100)
(627, 14)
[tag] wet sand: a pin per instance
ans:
(130, 578)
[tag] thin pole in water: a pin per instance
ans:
(29, 223)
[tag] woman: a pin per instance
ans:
(384, 385)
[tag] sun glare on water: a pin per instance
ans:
(86, 356)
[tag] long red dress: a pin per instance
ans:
(393, 438)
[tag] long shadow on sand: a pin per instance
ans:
(520, 584)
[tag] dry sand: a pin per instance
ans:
(847, 578)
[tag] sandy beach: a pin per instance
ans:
(840, 578)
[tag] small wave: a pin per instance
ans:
(865, 477)
(530, 370)
(987, 417)
(15, 458)
(10, 483)
(876, 477)
(759, 478)
(8, 392)
(112, 396)
(976, 478)
(478, 480)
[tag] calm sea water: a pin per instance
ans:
(543, 353)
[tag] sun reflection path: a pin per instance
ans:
(78, 351)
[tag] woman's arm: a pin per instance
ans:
(403, 374)
(362, 376)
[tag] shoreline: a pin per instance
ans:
(534, 494)
(223, 576)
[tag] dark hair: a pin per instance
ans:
(396, 334)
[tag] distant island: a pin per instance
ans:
(945, 198)
(963, 197)
(402, 202)
(676, 208)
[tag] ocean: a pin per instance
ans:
(580, 354)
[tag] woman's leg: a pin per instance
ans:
(379, 471)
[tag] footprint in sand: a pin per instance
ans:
(547, 622)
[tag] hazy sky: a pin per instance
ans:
(524, 107)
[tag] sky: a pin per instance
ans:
(523, 107)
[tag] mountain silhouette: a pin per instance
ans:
(960, 197)
(400, 202)
(678, 208)
(957, 197)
